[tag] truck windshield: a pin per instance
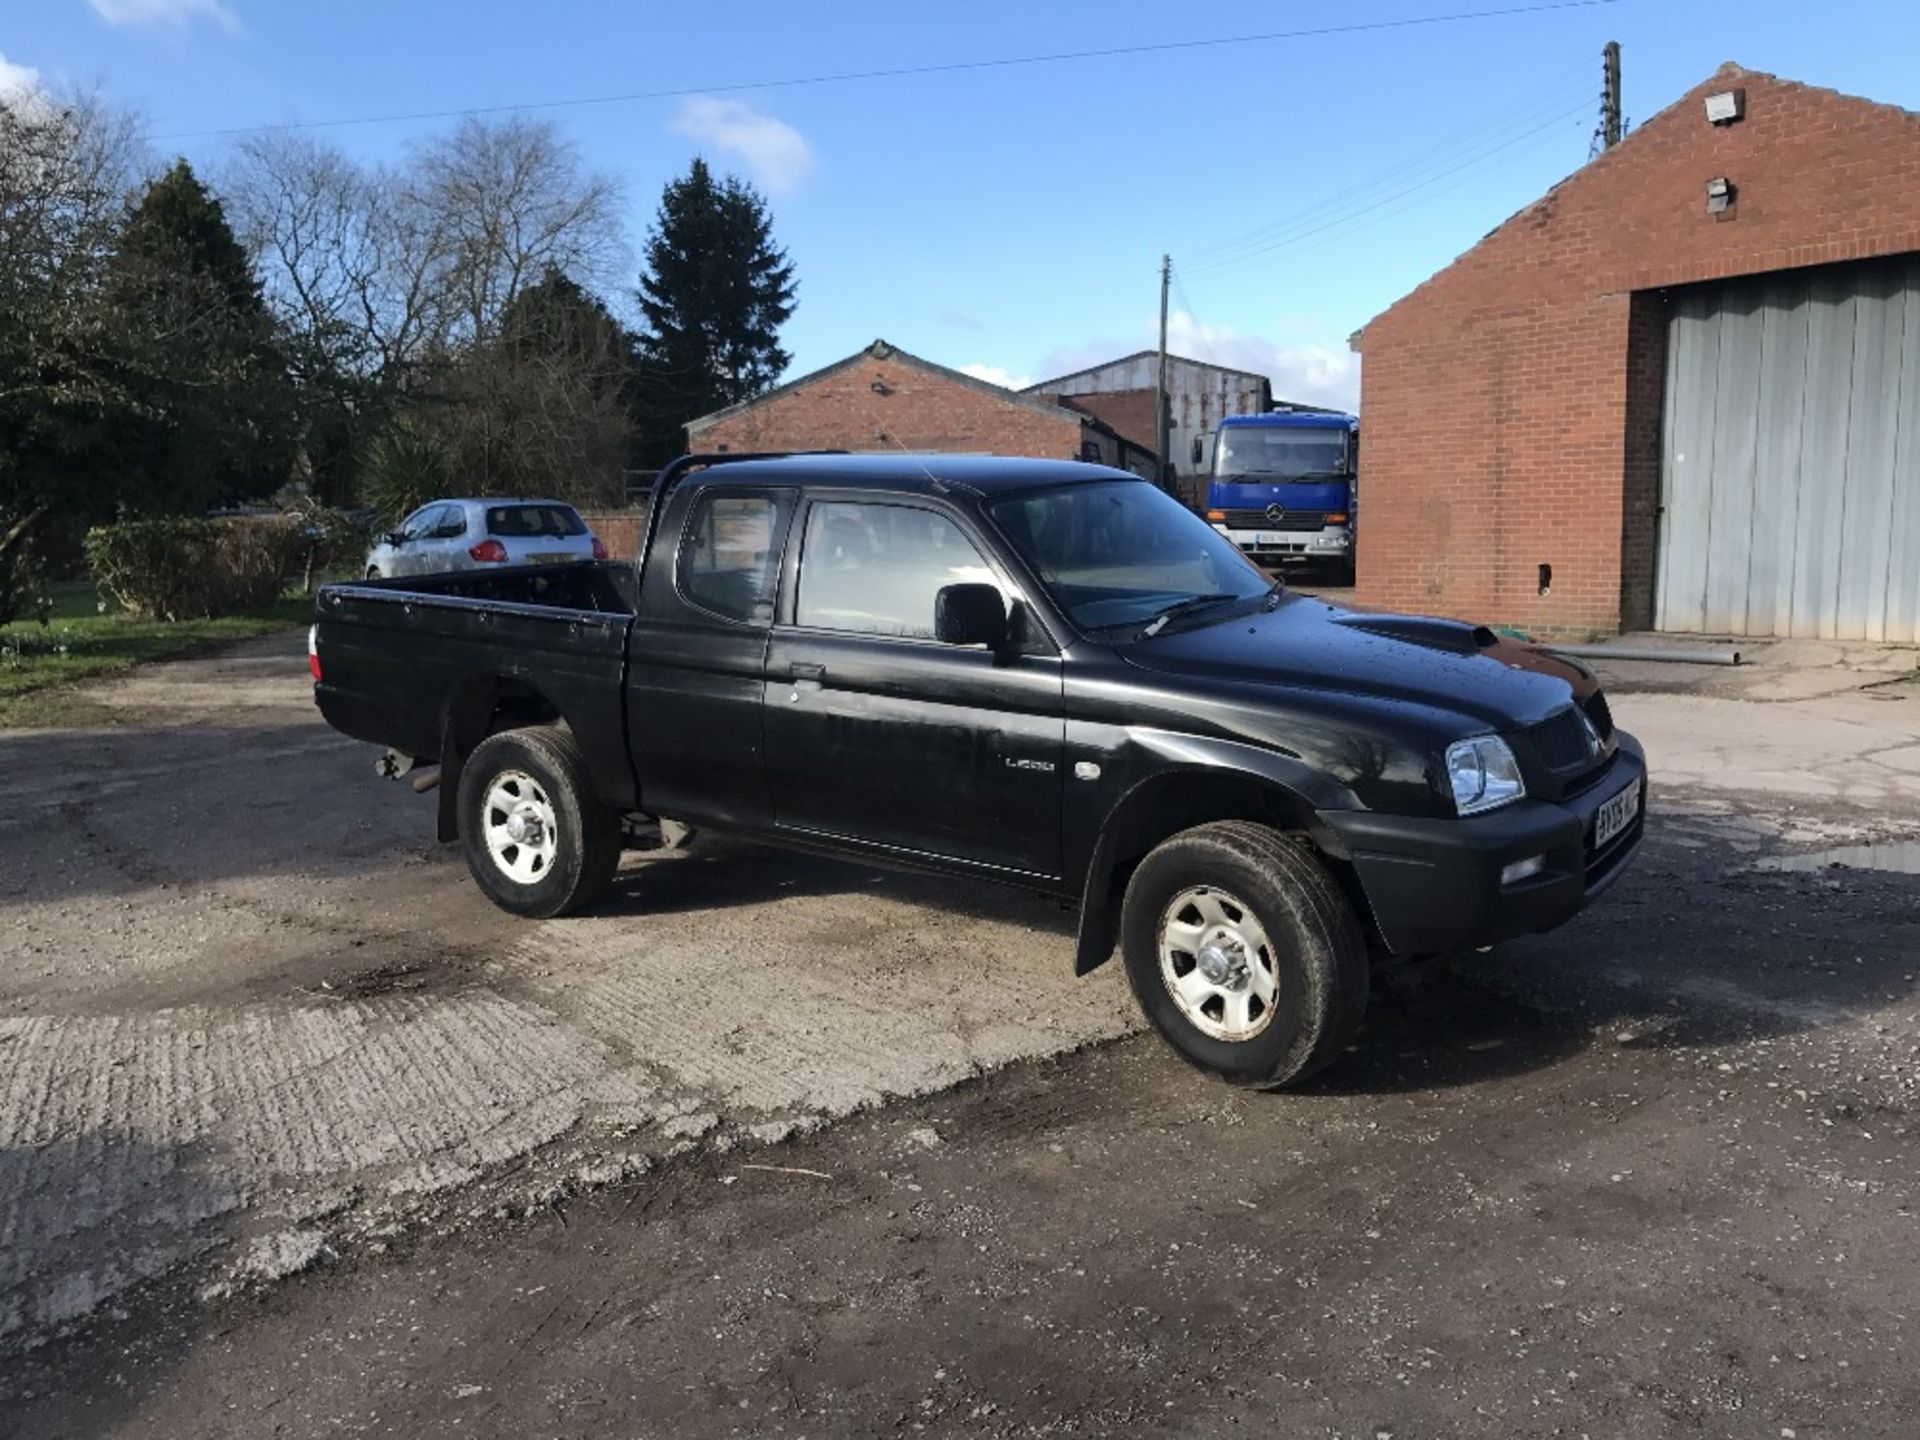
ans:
(1124, 553)
(1280, 451)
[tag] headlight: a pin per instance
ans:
(1484, 774)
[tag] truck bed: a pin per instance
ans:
(405, 657)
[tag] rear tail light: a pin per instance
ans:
(599, 548)
(489, 552)
(313, 651)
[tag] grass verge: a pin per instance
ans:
(39, 664)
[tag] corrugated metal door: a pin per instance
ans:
(1790, 474)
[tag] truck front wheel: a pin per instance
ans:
(1244, 953)
(537, 837)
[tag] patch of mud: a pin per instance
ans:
(388, 979)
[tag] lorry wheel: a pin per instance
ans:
(1244, 953)
(537, 837)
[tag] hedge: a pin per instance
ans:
(187, 569)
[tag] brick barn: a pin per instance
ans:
(1681, 391)
(882, 398)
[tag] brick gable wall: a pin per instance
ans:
(917, 409)
(1511, 404)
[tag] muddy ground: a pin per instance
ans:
(298, 1136)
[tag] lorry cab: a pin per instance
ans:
(1282, 487)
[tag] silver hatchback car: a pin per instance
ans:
(480, 534)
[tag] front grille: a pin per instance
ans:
(1561, 741)
(1288, 520)
(1600, 714)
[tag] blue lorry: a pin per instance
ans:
(1283, 488)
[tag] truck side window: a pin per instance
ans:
(874, 569)
(727, 564)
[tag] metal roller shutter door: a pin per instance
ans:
(1790, 470)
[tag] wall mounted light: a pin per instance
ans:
(1726, 107)
(1720, 194)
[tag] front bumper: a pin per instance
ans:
(1434, 885)
(1273, 547)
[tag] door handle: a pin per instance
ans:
(802, 671)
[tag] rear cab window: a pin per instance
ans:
(729, 556)
(527, 522)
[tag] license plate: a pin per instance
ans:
(1615, 814)
(1274, 538)
(553, 559)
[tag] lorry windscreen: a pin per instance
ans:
(1124, 552)
(1288, 452)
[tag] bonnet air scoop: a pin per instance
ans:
(1456, 637)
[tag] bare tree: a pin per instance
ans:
(348, 261)
(507, 200)
(388, 281)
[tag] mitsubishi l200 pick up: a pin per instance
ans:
(1045, 673)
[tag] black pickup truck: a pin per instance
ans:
(1040, 672)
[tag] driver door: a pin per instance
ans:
(880, 734)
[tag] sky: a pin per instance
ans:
(1007, 219)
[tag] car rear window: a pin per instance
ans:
(528, 521)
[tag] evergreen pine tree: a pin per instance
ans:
(211, 413)
(713, 295)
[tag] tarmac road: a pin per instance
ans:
(789, 1147)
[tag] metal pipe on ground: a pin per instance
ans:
(426, 779)
(1660, 657)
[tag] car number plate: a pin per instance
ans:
(551, 559)
(1616, 814)
(1271, 537)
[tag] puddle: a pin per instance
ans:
(1896, 857)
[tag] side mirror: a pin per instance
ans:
(394, 537)
(972, 614)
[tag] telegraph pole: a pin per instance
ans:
(1610, 96)
(1166, 277)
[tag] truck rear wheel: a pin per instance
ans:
(537, 837)
(1244, 953)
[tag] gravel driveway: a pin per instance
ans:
(1651, 1174)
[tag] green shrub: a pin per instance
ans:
(405, 468)
(188, 569)
(329, 542)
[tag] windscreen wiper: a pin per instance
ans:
(1185, 607)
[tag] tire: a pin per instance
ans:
(566, 862)
(1265, 904)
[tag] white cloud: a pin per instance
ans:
(777, 154)
(994, 375)
(1307, 373)
(18, 82)
(164, 12)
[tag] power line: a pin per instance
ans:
(1295, 235)
(1548, 132)
(1494, 125)
(902, 72)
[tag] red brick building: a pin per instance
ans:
(882, 398)
(1681, 390)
